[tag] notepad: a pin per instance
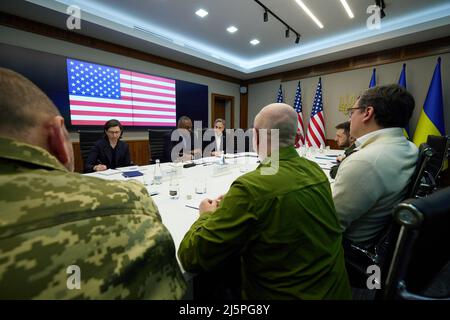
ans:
(131, 174)
(108, 172)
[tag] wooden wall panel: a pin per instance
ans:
(243, 111)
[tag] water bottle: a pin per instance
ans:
(157, 175)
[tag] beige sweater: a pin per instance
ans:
(372, 181)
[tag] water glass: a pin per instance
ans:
(200, 185)
(174, 188)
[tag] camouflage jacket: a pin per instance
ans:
(61, 230)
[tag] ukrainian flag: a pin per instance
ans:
(431, 120)
(402, 82)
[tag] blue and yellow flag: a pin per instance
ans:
(431, 120)
(373, 80)
(402, 82)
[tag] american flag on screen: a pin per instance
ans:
(99, 93)
(315, 135)
(300, 139)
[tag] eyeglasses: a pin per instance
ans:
(113, 132)
(350, 111)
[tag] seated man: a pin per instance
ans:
(217, 145)
(184, 142)
(64, 235)
(283, 225)
(373, 180)
(343, 140)
(109, 152)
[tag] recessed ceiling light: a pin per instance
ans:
(201, 13)
(348, 9)
(232, 29)
(254, 42)
(309, 13)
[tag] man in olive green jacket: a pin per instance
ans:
(279, 218)
(64, 235)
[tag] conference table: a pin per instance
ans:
(218, 173)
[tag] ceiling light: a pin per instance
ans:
(232, 29)
(201, 13)
(266, 16)
(348, 9)
(287, 33)
(309, 13)
(254, 42)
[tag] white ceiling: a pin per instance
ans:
(170, 28)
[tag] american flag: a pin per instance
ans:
(315, 136)
(99, 93)
(300, 138)
(280, 98)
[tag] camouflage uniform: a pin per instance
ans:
(51, 219)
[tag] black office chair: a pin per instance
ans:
(422, 181)
(422, 247)
(157, 142)
(87, 140)
(440, 145)
(357, 258)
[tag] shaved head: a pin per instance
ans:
(279, 116)
(22, 105)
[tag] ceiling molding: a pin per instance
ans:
(404, 53)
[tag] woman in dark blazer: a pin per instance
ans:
(109, 152)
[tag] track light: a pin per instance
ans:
(288, 27)
(380, 4)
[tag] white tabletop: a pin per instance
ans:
(178, 214)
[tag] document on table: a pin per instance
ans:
(108, 172)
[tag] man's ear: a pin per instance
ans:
(57, 140)
(369, 113)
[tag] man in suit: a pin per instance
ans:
(109, 152)
(180, 144)
(215, 145)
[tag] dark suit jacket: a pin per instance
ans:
(102, 153)
(169, 144)
(334, 169)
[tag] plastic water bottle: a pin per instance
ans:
(158, 174)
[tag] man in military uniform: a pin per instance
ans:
(282, 225)
(64, 235)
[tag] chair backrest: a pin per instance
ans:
(425, 154)
(421, 250)
(87, 140)
(440, 145)
(157, 144)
